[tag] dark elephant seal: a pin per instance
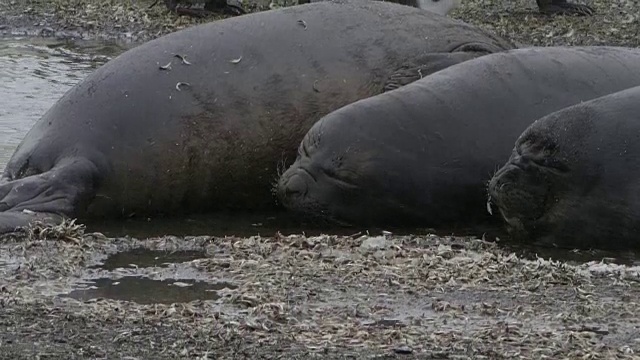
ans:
(573, 179)
(149, 134)
(423, 154)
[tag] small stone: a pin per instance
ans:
(405, 350)
(375, 243)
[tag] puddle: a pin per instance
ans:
(245, 224)
(268, 224)
(9, 263)
(242, 224)
(147, 291)
(142, 258)
(575, 257)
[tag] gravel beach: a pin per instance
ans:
(294, 297)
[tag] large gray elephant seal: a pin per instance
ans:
(199, 120)
(423, 154)
(573, 179)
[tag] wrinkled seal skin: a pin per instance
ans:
(424, 153)
(573, 179)
(130, 139)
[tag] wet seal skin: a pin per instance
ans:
(573, 177)
(200, 120)
(423, 154)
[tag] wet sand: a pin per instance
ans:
(291, 296)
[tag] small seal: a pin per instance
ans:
(573, 178)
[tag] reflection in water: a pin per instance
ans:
(146, 291)
(34, 74)
(245, 225)
(263, 224)
(217, 224)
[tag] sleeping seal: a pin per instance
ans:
(573, 179)
(198, 120)
(423, 154)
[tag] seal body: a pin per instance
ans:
(573, 179)
(148, 133)
(423, 154)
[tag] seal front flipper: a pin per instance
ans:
(65, 189)
(562, 7)
(428, 65)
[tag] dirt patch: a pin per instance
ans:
(325, 296)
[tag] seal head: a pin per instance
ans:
(571, 180)
(349, 177)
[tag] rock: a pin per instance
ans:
(403, 350)
(375, 243)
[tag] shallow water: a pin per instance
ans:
(147, 291)
(34, 74)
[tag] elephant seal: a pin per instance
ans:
(573, 179)
(199, 120)
(423, 154)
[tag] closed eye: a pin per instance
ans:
(302, 149)
(551, 163)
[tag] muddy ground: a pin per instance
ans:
(69, 295)
(294, 297)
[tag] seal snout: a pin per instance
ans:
(502, 186)
(294, 185)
